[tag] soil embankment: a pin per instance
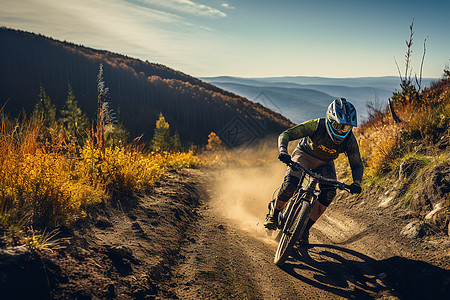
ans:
(121, 250)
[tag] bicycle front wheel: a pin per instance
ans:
(295, 225)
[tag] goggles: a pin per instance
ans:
(344, 128)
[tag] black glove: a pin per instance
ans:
(355, 188)
(284, 157)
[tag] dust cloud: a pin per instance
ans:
(243, 193)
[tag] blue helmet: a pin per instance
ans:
(341, 118)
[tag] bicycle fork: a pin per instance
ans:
(300, 197)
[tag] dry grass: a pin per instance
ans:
(45, 182)
(379, 147)
(423, 130)
(130, 170)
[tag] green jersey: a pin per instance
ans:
(315, 140)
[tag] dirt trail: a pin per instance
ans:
(199, 235)
(228, 253)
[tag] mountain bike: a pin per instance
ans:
(293, 219)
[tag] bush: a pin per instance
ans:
(425, 126)
(119, 169)
(54, 188)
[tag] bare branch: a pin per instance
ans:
(421, 64)
(398, 69)
(394, 115)
(417, 82)
(409, 51)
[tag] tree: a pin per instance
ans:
(103, 103)
(76, 124)
(410, 91)
(176, 142)
(214, 142)
(161, 139)
(116, 135)
(44, 118)
(45, 109)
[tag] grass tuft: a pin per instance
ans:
(45, 240)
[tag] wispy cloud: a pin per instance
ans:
(228, 6)
(116, 25)
(185, 6)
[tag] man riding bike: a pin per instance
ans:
(322, 140)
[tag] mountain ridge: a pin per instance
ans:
(139, 90)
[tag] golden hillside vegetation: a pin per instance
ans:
(47, 180)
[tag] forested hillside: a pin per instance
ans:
(138, 91)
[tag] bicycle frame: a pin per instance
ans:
(298, 211)
(301, 195)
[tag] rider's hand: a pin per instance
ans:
(284, 157)
(355, 188)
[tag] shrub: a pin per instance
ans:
(181, 160)
(43, 187)
(384, 150)
(214, 142)
(50, 188)
(119, 169)
(425, 124)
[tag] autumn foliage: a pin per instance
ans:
(51, 185)
(423, 130)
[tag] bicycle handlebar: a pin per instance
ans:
(340, 185)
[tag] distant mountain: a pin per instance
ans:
(383, 82)
(295, 103)
(301, 98)
(138, 91)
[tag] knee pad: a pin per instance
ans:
(326, 196)
(288, 188)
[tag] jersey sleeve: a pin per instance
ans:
(354, 159)
(297, 132)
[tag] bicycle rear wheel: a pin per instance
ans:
(293, 229)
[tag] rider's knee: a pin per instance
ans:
(326, 196)
(288, 188)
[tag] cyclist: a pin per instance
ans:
(322, 140)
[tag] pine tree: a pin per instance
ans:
(176, 142)
(116, 135)
(75, 122)
(44, 117)
(45, 109)
(161, 139)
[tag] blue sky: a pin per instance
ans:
(249, 38)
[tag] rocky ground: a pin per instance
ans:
(199, 235)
